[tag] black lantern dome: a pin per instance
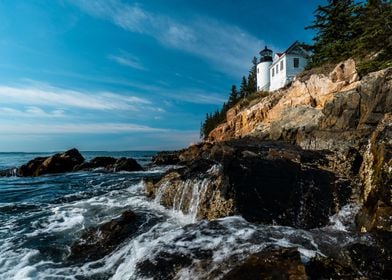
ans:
(266, 55)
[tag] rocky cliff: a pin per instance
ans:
(334, 111)
(294, 157)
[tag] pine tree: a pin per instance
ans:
(233, 98)
(243, 88)
(335, 32)
(251, 84)
(252, 77)
(375, 42)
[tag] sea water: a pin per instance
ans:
(40, 219)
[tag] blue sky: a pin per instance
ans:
(127, 75)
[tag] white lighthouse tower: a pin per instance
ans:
(263, 71)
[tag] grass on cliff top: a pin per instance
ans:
(252, 99)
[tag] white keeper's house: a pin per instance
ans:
(274, 73)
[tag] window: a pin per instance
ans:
(296, 62)
(257, 70)
(281, 65)
(277, 68)
(273, 72)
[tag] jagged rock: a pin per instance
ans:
(166, 158)
(96, 162)
(279, 264)
(376, 176)
(355, 261)
(165, 266)
(98, 242)
(125, 164)
(59, 163)
(110, 164)
(268, 182)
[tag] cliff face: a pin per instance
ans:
(341, 113)
(333, 111)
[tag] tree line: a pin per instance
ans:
(247, 87)
(347, 28)
(344, 28)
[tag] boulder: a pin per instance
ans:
(97, 242)
(110, 164)
(58, 163)
(263, 181)
(279, 264)
(355, 261)
(125, 164)
(166, 158)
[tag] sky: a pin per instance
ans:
(122, 75)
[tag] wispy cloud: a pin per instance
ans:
(87, 128)
(31, 111)
(227, 47)
(127, 59)
(43, 94)
(195, 96)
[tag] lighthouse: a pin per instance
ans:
(263, 70)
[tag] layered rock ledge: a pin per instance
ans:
(71, 161)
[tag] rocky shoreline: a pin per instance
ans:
(295, 158)
(71, 161)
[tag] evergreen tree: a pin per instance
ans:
(233, 98)
(375, 42)
(252, 87)
(243, 88)
(335, 33)
(252, 77)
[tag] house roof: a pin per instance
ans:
(288, 50)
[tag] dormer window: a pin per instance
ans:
(296, 62)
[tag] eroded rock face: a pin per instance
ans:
(98, 242)
(335, 111)
(59, 163)
(267, 182)
(376, 176)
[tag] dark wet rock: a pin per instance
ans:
(58, 163)
(166, 158)
(98, 242)
(164, 266)
(96, 162)
(10, 172)
(125, 164)
(110, 164)
(328, 268)
(355, 261)
(277, 264)
(264, 181)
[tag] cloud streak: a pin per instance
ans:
(87, 128)
(227, 47)
(126, 59)
(31, 111)
(33, 95)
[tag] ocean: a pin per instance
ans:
(41, 218)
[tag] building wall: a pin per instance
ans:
(291, 71)
(278, 80)
(283, 77)
(263, 79)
